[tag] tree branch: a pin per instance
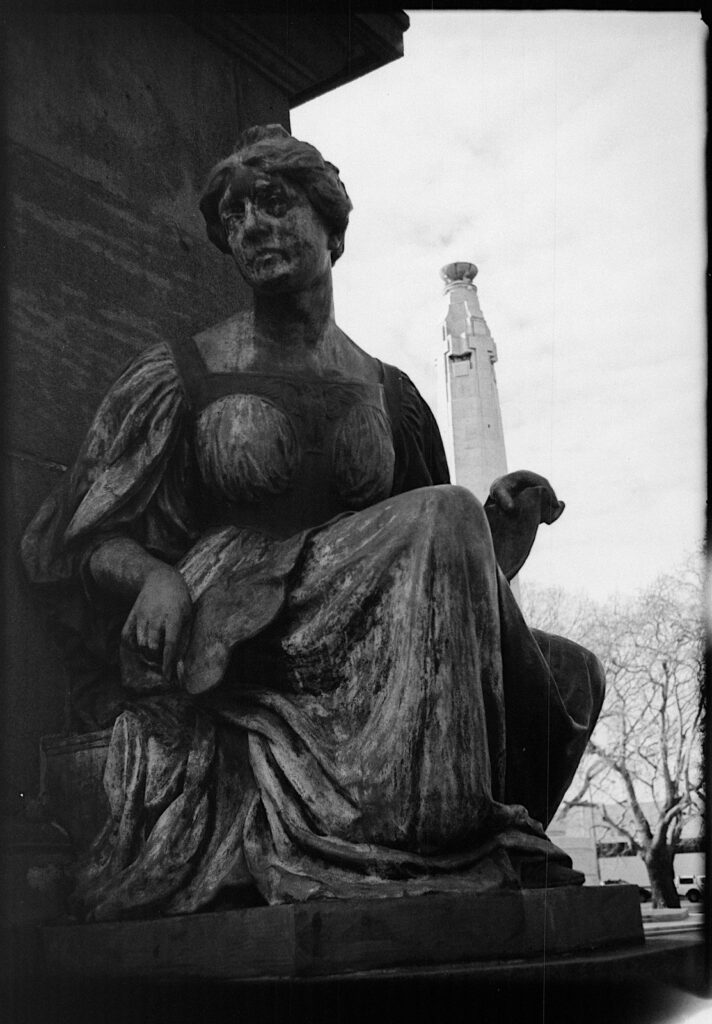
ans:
(632, 839)
(620, 767)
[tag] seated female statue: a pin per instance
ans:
(319, 681)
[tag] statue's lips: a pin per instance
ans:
(264, 258)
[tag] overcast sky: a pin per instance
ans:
(562, 152)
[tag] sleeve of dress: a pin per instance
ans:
(420, 455)
(132, 478)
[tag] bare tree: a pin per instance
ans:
(642, 768)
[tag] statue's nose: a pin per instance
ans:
(253, 222)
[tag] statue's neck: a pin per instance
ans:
(296, 322)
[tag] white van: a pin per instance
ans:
(690, 887)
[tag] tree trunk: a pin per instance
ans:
(659, 862)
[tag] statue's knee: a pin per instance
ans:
(574, 667)
(454, 522)
(597, 675)
(595, 672)
(455, 505)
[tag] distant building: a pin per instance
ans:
(585, 836)
(574, 830)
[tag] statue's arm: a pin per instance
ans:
(506, 490)
(131, 477)
(518, 503)
(127, 495)
(420, 455)
(161, 607)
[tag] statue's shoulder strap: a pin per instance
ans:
(413, 422)
(191, 368)
(393, 383)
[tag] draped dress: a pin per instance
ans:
(360, 707)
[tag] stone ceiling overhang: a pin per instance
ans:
(307, 53)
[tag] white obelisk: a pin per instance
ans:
(473, 417)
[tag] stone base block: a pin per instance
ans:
(334, 938)
(33, 880)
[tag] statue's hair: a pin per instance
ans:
(271, 149)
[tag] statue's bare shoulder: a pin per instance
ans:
(228, 345)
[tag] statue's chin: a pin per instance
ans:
(268, 274)
(267, 263)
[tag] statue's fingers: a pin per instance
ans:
(171, 639)
(502, 496)
(552, 509)
(173, 643)
(141, 631)
(560, 506)
(152, 641)
(170, 648)
(128, 633)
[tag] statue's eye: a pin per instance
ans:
(274, 204)
(277, 206)
(233, 219)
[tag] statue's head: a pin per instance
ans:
(269, 150)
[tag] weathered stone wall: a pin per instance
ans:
(113, 122)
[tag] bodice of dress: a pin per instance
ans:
(285, 454)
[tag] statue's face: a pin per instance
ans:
(276, 237)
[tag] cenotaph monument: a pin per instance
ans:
(473, 418)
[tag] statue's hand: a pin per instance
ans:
(158, 619)
(505, 490)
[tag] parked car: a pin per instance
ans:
(643, 893)
(690, 887)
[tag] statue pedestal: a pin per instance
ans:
(321, 939)
(316, 939)
(340, 937)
